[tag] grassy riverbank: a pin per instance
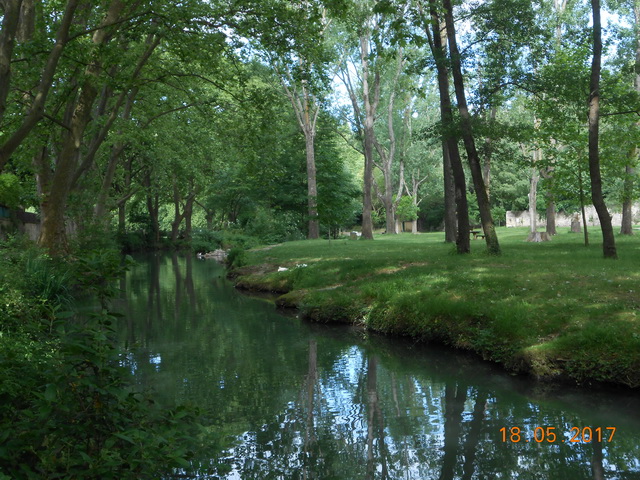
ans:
(555, 310)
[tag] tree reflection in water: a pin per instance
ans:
(285, 399)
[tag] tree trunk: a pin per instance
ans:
(551, 215)
(125, 190)
(627, 202)
(630, 171)
(582, 204)
(608, 239)
(52, 233)
(387, 157)
(10, 20)
(36, 111)
(438, 49)
(152, 209)
(188, 214)
(559, 7)
(100, 209)
(312, 189)
(306, 110)
(389, 204)
(488, 226)
(27, 23)
(367, 203)
(209, 218)
(533, 199)
(534, 235)
(450, 223)
(488, 144)
(370, 107)
(122, 211)
(177, 217)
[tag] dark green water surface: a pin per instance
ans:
(286, 399)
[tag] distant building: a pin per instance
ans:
(563, 219)
(12, 221)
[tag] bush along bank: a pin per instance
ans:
(526, 310)
(68, 409)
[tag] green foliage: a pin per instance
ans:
(240, 240)
(204, 241)
(406, 210)
(11, 190)
(97, 272)
(273, 227)
(378, 218)
(48, 280)
(236, 257)
(130, 242)
(93, 237)
(67, 409)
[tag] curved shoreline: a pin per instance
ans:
(550, 345)
(547, 371)
(286, 300)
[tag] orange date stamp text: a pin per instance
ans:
(551, 435)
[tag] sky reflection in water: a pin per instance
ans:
(290, 400)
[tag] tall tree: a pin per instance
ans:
(306, 108)
(486, 218)
(387, 155)
(608, 239)
(53, 206)
(301, 71)
(361, 60)
(371, 99)
(630, 170)
(451, 152)
(28, 120)
(559, 7)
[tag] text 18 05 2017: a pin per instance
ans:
(554, 435)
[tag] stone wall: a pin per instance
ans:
(12, 221)
(563, 219)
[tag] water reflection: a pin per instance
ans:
(290, 400)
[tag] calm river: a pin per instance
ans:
(286, 399)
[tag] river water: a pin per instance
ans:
(286, 399)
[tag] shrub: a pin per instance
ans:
(68, 412)
(206, 241)
(273, 227)
(11, 191)
(239, 240)
(48, 280)
(236, 257)
(67, 409)
(133, 241)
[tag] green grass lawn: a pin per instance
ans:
(554, 309)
